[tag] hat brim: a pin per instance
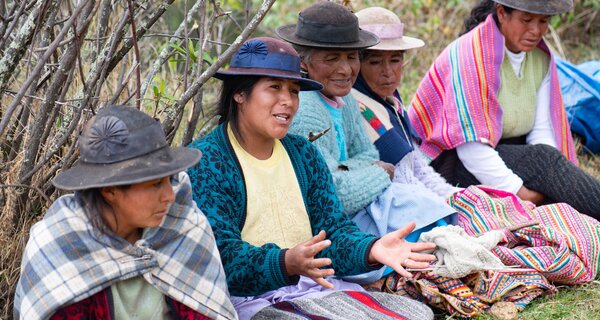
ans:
(544, 7)
(161, 163)
(305, 84)
(404, 43)
(365, 39)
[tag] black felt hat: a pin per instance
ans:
(327, 25)
(546, 7)
(122, 145)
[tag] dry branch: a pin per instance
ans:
(6, 116)
(170, 124)
(67, 63)
(166, 52)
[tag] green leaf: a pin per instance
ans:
(178, 48)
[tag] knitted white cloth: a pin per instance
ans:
(459, 254)
(413, 169)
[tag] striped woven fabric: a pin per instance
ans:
(344, 305)
(553, 239)
(457, 101)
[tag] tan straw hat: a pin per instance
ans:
(388, 27)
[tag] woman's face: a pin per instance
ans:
(336, 70)
(522, 30)
(382, 70)
(267, 112)
(141, 205)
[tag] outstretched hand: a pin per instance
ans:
(300, 260)
(393, 251)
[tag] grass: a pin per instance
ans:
(571, 302)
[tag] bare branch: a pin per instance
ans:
(15, 21)
(166, 52)
(197, 106)
(139, 33)
(67, 63)
(18, 46)
(137, 55)
(38, 68)
(169, 124)
(38, 190)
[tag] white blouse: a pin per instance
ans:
(484, 162)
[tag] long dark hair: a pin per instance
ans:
(94, 205)
(228, 107)
(480, 12)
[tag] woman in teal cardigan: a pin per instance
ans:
(269, 196)
(363, 182)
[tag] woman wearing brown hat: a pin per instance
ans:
(130, 242)
(277, 219)
(328, 39)
(490, 109)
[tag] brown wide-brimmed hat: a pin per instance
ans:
(546, 7)
(387, 26)
(120, 146)
(267, 57)
(327, 25)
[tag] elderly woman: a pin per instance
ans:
(382, 109)
(328, 39)
(490, 109)
(130, 242)
(270, 199)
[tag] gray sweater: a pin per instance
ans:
(360, 185)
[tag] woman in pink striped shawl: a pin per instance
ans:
(490, 109)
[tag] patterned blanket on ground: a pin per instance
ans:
(553, 239)
(471, 295)
(344, 305)
(548, 244)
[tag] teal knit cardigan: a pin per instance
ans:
(220, 192)
(363, 182)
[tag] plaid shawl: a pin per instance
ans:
(457, 100)
(67, 260)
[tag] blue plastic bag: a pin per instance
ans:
(580, 86)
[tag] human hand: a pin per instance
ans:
(395, 252)
(300, 260)
(388, 167)
(530, 195)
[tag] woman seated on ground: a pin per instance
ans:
(362, 181)
(131, 242)
(270, 199)
(490, 109)
(382, 109)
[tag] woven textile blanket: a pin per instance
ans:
(554, 239)
(550, 244)
(466, 297)
(343, 305)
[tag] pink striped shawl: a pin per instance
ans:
(457, 100)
